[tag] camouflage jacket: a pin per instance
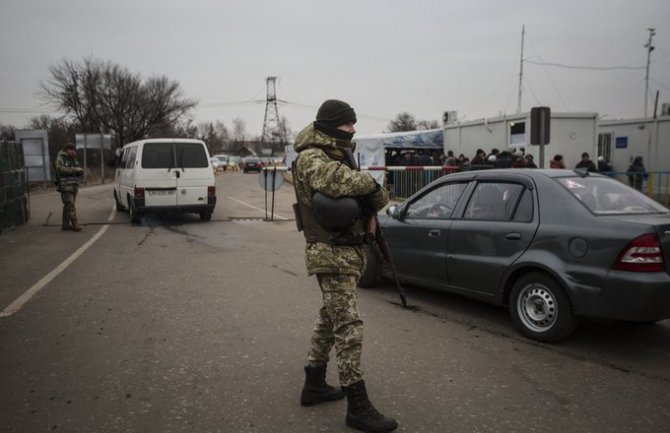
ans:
(319, 167)
(67, 175)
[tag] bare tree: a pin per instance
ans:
(7, 132)
(103, 96)
(403, 122)
(427, 124)
(59, 130)
(239, 130)
(407, 122)
(223, 134)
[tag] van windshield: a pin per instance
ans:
(162, 155)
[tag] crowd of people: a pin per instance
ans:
(636, 172)
(495, 159)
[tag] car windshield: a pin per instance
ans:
(607, 196)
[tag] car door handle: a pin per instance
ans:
(434, 233)
(513, 236)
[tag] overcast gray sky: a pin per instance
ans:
(383, 57)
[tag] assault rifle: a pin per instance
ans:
(375, 234)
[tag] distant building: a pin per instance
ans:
(619, 141)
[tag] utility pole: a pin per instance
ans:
(518, 104)
(271, 129)
(649, 48)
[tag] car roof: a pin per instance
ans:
(531, 173)
(164, 140)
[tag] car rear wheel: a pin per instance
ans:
(205, 216)
(540, 309)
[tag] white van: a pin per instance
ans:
(165, 174)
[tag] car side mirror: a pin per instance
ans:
(393, 211)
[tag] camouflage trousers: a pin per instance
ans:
(69, 211)
(339, 325)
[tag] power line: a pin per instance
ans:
(592, 68)
(25, 111)
(221, 104)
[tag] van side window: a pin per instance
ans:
(121, 162)
(157, 155)
(129, 157)
(191, 155)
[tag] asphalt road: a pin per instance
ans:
(176, 325)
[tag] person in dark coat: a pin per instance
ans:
(504, 160)
(587, 163)
(479, 158)
(637, 174)
(529, 161)
(604, 166)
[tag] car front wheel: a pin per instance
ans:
(540, 309)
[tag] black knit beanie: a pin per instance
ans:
(333, 113)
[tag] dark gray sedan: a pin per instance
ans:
(550, 244)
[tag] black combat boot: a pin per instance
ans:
(362, 415)
(316, 390)
(75, 225)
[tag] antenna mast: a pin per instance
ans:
(649, 48)
(518, 105)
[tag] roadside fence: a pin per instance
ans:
(13, 186)
(403, 181)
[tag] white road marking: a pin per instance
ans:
(25, 297)
(254, 207)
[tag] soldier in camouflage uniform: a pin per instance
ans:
(336, 254)
(68, 173)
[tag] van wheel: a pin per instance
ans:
(205, 215)
(119, 206)
(134, 215)
(540, 309)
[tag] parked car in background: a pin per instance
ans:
(216, 163)
(234, 162)
(222, 160)
(251, 163)
(551, 245)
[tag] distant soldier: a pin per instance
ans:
(637, 174)
(68, 173)
(329, 190)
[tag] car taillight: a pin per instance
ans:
(642, 254)
(139, 192)
(211, 191)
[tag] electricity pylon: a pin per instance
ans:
(271, 130)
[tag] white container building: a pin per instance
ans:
(571, 134)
